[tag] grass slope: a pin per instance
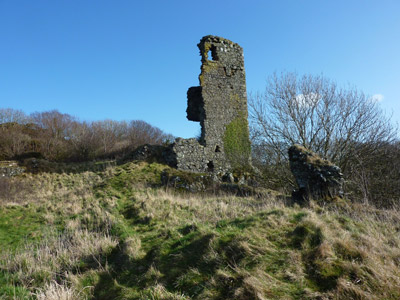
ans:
(114, 234)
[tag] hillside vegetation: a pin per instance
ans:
(61, 137)
(116, 233)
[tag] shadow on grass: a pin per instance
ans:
(165, 264)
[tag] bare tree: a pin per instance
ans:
(108, 133)
(83, 141)
(314, 112)
(10, 115)
(13, 139)
(56, 131)
(57, 124)
(141, 132)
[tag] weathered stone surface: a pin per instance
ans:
(220, 105)
(315, 177)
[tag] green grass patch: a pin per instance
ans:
(18, 225)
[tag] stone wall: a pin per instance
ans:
(220, 105)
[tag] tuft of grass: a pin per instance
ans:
(159, 292)
(53, 290)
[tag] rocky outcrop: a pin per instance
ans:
(316, 178)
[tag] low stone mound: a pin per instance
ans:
(10, 168)
(187, 181)
(316, 177)
(242, 185)
(149, 153)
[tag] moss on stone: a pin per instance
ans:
(207, 47)
(237, 142)
(312, 157)
(235, 99)
(207, 67)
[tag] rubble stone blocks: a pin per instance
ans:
(220, 105)
(10, 169)
(315, 177)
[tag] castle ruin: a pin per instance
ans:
(220, 105)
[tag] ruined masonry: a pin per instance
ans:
(316, 178)
(220, 105)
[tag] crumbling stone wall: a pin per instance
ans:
(220, 105)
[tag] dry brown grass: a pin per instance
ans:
(55, 291)
(367, 240)
(56, 255)
(176, 208)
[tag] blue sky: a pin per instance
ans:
(126, 60)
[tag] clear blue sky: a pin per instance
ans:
(127, 60)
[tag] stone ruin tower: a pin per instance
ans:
(220, 105)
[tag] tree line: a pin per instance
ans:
(61, 137)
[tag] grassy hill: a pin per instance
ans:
(116, 233)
